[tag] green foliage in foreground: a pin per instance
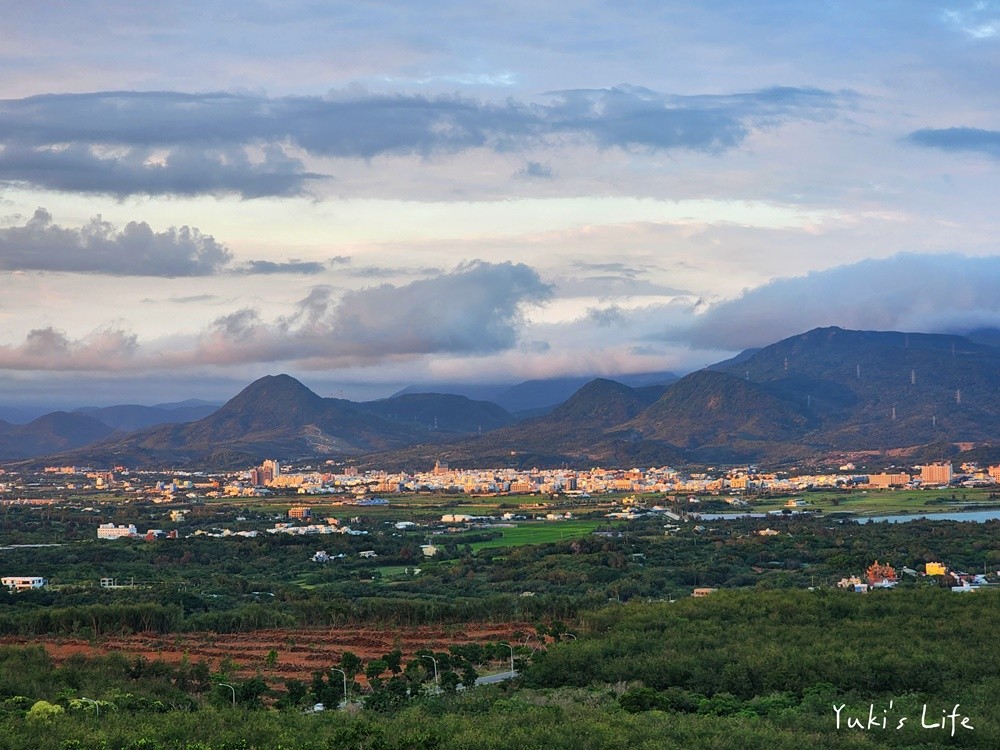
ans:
(742, 670)
(459, 724)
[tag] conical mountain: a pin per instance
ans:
(273, 402)
(274, 416)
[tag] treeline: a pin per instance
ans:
(96, 620)
(93, 620)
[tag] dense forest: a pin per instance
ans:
(749, 669)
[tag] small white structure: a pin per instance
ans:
(23, 583)
(110, 531)
(321, 556)
(369, 553)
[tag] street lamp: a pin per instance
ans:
(425, 656)
(223, 684)
(511, 656)
(344, 675)
(97, 706)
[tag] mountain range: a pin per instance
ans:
(825, 392)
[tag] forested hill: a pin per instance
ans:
(823, 392)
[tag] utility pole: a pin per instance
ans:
(511, 655)
(425, 656)
(344, 674)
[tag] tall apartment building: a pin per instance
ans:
(936, 473)
(266, 472)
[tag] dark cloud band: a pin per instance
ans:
(959, 139)
(125, 143)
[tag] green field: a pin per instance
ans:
(539, 532)
(885, 502)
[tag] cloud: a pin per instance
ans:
(125, 143)
(193, 298)
(135, 250)
(476, 309)
(99, 247)
(183, 170)
(49, 349)
(979, 21)
(290, 266)
(620, 270)
(959, 139)
(927, 293)
(535, 170)
(605, 317)
(473, 310)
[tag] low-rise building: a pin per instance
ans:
(23, 583)
(110, 531)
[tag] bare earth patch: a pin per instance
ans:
(300, 652)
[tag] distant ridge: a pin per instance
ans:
(277, 415)
(130, 417)
(540, 394)
(826, 392)
(820, 393)
(50, 433)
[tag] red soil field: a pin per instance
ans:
(300, 652)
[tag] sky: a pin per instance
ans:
(372, 195)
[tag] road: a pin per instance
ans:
(493, 678)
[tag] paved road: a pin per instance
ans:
(492, 678)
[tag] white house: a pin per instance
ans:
(23, 583)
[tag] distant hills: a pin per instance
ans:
(279, 416)
(826, 392)
(50, 433)
(134, 417)
(541, 394)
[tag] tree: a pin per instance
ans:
(43, 711)
(374, 671)
(350, 663)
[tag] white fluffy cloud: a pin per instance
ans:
(475, 309)
(926, 293)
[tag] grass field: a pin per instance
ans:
(539, 532)
(879, 502)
